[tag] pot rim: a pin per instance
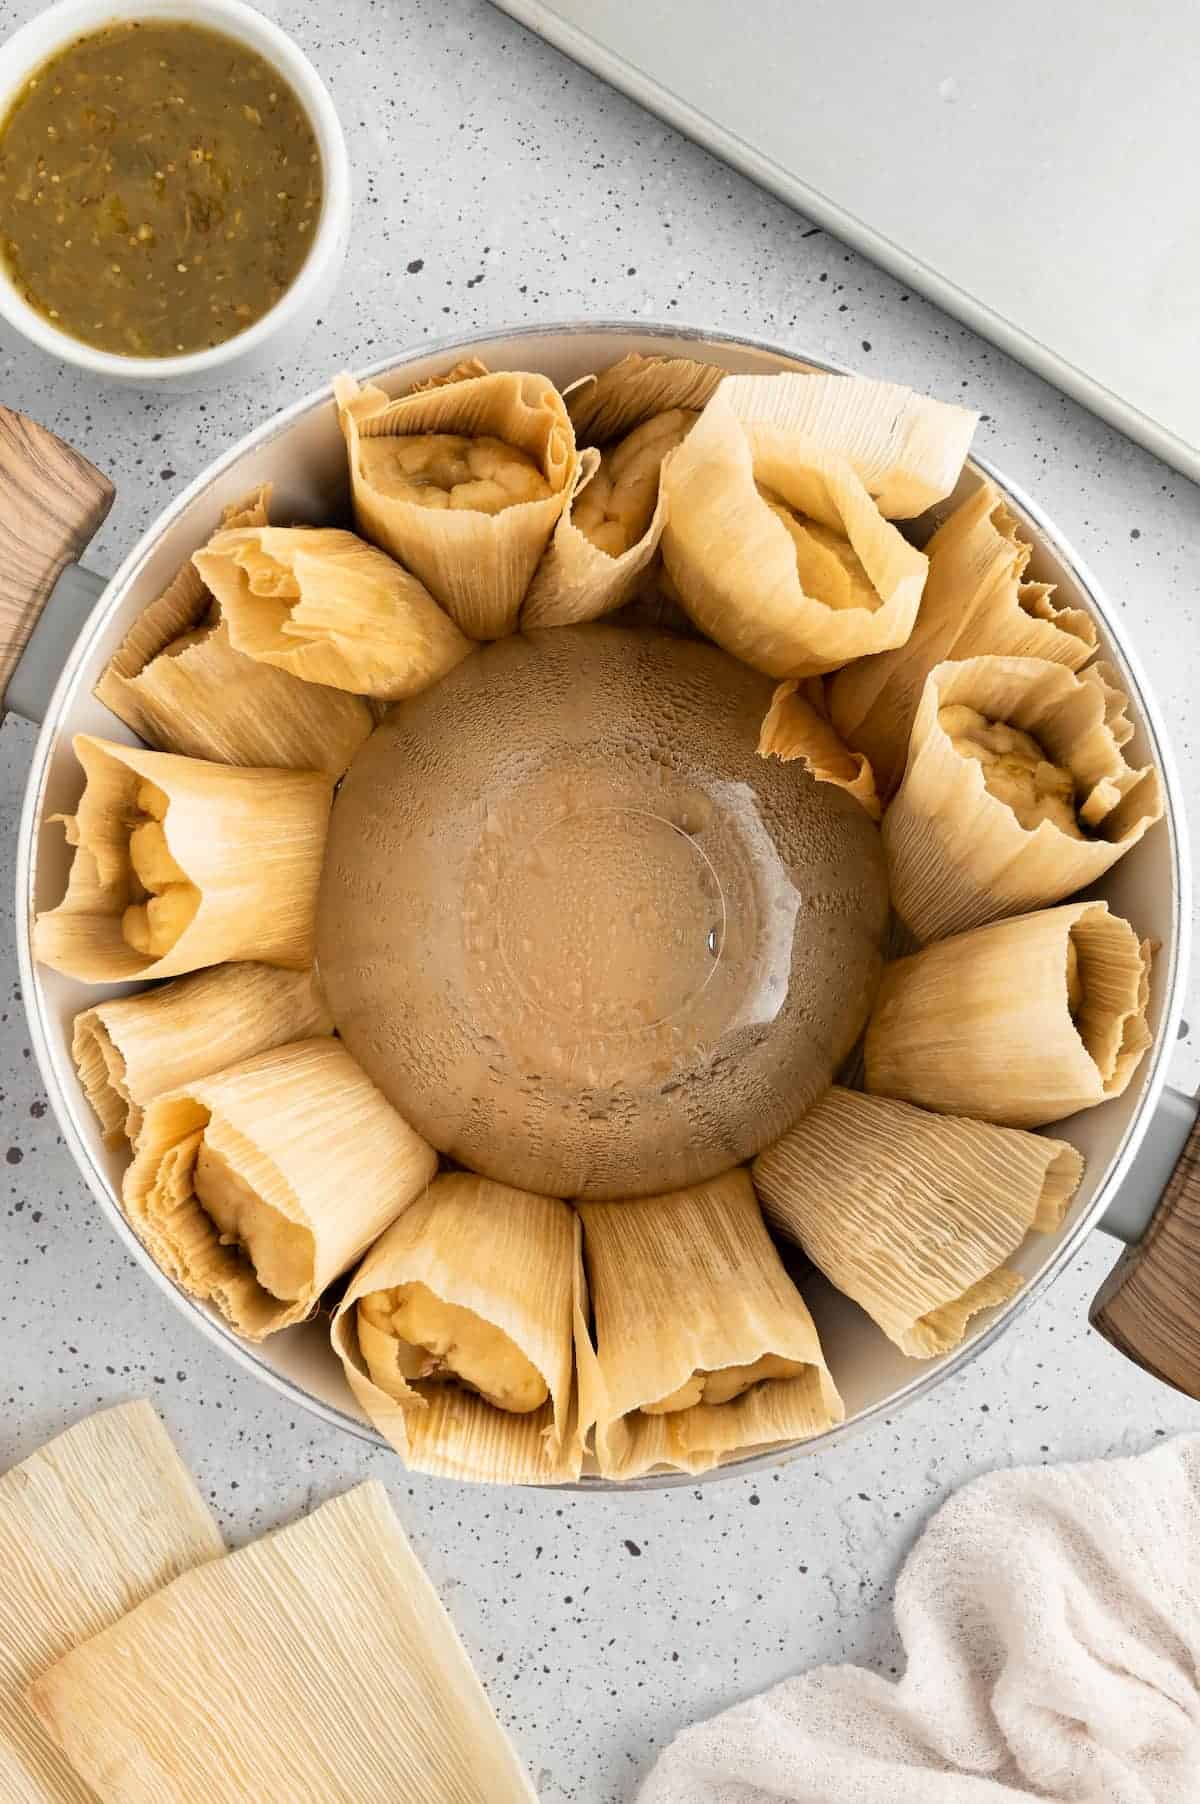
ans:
(246, 1355)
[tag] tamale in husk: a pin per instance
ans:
(790, 566)
(328, 608)
(91, 1524)
(476, 563)
(633, 415)
(488, 1277)
(796, 725)
(692, 1301)
(913, 1215)
(976, 602)
(232, 870)
(1021, 1022)
(316, 1665)
(958, 852)
(133, 1048)
(258, 1185)
(178, 682)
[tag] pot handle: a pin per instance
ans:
(1149, 1305)
(51, 503)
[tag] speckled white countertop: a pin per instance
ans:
(495, 182)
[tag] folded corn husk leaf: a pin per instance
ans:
(913, 1215)
(464, 371)
(513, 1260)
(975, 601)
(132, 1049)
(732, 552)
(206, 700)
(330, 609)
(797, 726)
(1022, 1022)
(477, 565)
(957, 854)
(684, 1284)
(90, 1525)
(604, 545)
(317, 1664)
(258, 1185)
(249, 841)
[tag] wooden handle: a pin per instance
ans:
(1149, 1305)
(51, 503)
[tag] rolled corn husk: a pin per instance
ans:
(204, 699)
(976, 601)
(796, 725)
(513, 1260)
(250, 842)
(957, 854)
(132, 1049)
(321, 1165)
(614, 412)
(477, 565)
(913, 1215)
(733, 560)
(328, 608)
(316, 1664)
(982, 1024)
(92, 1523)
(682, 1284)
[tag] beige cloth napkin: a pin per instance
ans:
(1051, 1620)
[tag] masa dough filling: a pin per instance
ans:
(440, 1341)
(279, 1251)
(168, 900)
(827, 565)
(449, 470)
(615, 509)
(723, 1386)
(1015, 768)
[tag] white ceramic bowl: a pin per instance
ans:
(283, 328)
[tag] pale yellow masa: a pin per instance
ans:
(829, 568)
(1015, 768)
(279, 1251)
(723, 1386)
(152, 926)
(443, 1341)
(448, 470)
(616, 507)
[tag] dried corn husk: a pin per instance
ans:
(327, 1160)
(513, 1259)
(982, 1024)
(132, 1049)
(957, 855)
(685, 1283)
(797, 726)
(463, 371)
(251, 841)
(330, 609)
(907, 450)
(975, 601)
(733, 560)
(577, 580)
(207, 700)
(317, 1664)
(478, 566)
(913, 1215)
(90, 1524)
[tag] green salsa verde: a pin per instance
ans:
(160, 187)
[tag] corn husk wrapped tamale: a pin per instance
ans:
(781, 555)
(328, 608)
(1016, 792)
(316, 1666)
(180, 864)
(910, 1214)
(463, 483)
(257, 1186)
(796, 725)
(633, 415)
(456, 1333)
(131, 1049)
(1022, 1022)
(91, 1524)
(178, 682)
(704, 1346)
(976, 601)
